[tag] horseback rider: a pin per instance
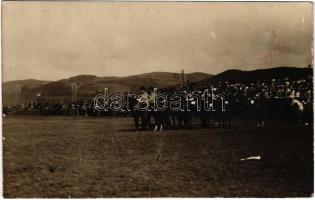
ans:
(151, 98)
(139, 111)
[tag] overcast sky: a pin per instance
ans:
(55, 40)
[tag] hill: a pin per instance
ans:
(90, 85)
(240, 76)
(9, 88)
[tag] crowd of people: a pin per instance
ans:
(277, 99)
(281, 99)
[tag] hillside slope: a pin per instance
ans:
(90, 85)
(234, 76)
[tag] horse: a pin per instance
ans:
(137, 113)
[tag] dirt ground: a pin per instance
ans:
(103, 157)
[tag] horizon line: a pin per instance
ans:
(155, 72)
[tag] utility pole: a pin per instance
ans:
(183, 78)
(17, 90)
(74, 92)
(37, 97)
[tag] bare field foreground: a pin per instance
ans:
(103, 157)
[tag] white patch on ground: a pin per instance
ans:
(252, 158)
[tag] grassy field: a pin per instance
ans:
(104, 157)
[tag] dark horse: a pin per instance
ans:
(138, 114)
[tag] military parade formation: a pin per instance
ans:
(233, 103)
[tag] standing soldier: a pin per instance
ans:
(143, 114)
(151, 111)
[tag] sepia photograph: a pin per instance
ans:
(111, 99)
